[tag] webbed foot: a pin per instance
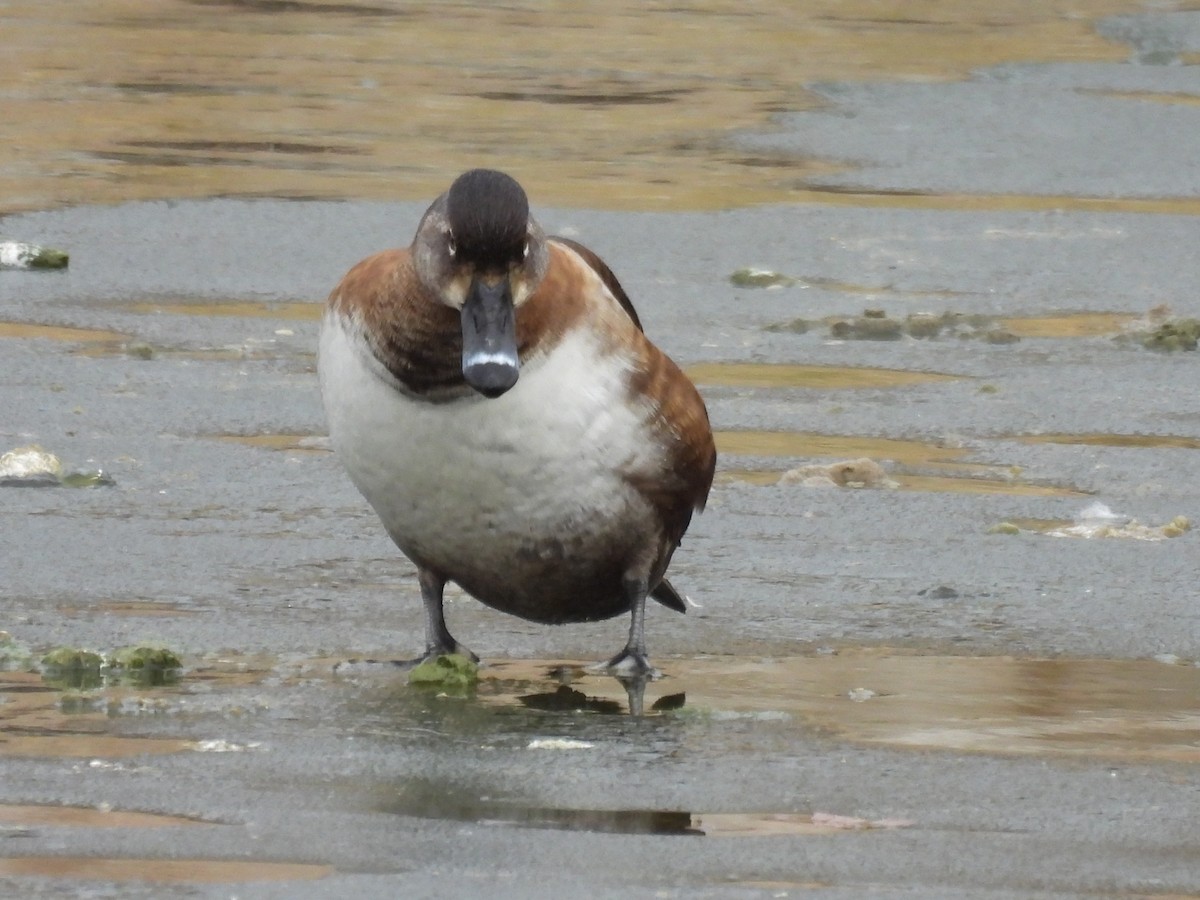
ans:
(629, 663)
(363, 666)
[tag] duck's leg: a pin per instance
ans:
(632, 662)
(438, 639)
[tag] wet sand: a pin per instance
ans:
(880, 692)
(629, 108)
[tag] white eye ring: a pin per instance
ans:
(451, 248)
(525, 252)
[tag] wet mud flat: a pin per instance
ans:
(876, 685)
(946, 638)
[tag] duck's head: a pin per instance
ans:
(480, 252)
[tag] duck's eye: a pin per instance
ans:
(525, 252)
(451, 247)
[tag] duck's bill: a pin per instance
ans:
(489, 359)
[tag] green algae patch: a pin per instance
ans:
(877, 325)
(872, 325)
(450, 672)
(144, 659)
(1176, 527)
(760, 278)
(1160, 330)
(71, 659)
(71, 667)
(1175, 334)
(86, 479)
(141, 658)
(49, 258)
(20, 255)
(145, 665)
(139, 350)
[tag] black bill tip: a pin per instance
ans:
(491, 373)
(490, 362)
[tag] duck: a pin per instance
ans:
(491, 393)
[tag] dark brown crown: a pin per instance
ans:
(488, 214)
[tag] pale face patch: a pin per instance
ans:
(454, 292)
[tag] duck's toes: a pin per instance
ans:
(364, 666)
(628, 664)
(456, 649)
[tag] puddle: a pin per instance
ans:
(58, 333)
(876, 324)
(833, 195)
(173, 871)
(1129, 710)
(1010, 487)
(99, 343)
(88, 817)
(1142, 710)
(777, 824)
(1156, 441)
(936, 483)
(40, 719)
(1173, 99)
(1073, 325)
(307, 443)
(1139, 711)
(210, 354)
(152, 608)
(767, 278)
(950, 473)
(444, 800)
(242, 309)
(771, 375)
(1122, 709)
(186, 100)
(850, 287)
(811, 444)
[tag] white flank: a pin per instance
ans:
(472, 481)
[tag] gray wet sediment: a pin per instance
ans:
(272, 552)
(1071, 129)
(286, 527)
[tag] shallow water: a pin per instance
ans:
(158, 871)
(112, 101)
(1108, 711)
(1120, 709)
